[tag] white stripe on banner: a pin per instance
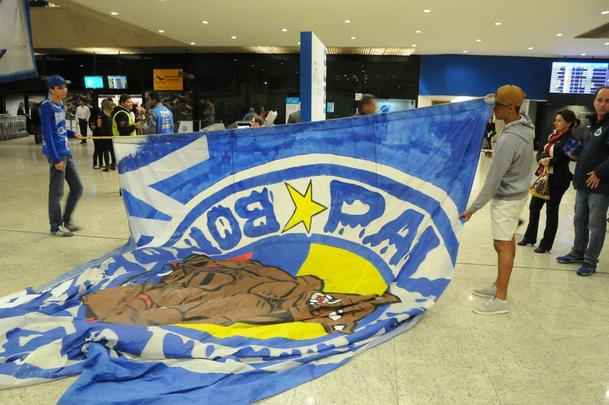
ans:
(16, 51)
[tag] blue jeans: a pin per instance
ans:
(57, 178)
(590, 225)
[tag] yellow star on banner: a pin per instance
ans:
(304, 208)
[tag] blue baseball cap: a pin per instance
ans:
(55, 80)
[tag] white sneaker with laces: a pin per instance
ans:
(486, 292)
(62, 231)
(493, 306)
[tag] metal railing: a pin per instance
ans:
(12, 126)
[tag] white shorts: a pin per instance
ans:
(505, 215)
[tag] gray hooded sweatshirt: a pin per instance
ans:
(509, 177)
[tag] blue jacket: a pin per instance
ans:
(55, 144)
(163, 119)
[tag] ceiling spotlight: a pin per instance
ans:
(114, 13)
(560, 34)
(233, 37)
(606, 43)
(205, 22)
(284, 30)
(531, 48)
(478, 40)
(161, 31)
(427, 11)
(347, 21)
(583, 54)
(606, 12)
(353, 38)
(193, 43)
(418, 31)
(465, 51)
(498, 23)
(413, 45)
(299, 43)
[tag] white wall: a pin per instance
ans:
(12, 103)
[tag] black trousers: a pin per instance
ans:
(102, 152)
(552, 209)
(83, 124)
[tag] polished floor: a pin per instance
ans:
(552, 349)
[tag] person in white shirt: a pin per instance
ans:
(83, 113)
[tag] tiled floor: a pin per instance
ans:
(552, 349)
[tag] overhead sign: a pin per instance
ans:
(312, 77)
(16, 52)
(168, 79)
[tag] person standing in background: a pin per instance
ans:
(83, 114)
(367, 105)
(107, 147)
(209, 113)
(56, 147)
(95, 123)
(21, 109)
(554, 158)
(123, 119)
(591, 180)
(160, 118)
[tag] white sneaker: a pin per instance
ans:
(486, 292)
(62, 231)
(493, 306)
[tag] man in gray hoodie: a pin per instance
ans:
(506, 187)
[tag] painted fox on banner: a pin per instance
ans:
(259, 259)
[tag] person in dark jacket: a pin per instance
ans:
(96, 130)
(555, 158)
(591, 180)
(105, 130)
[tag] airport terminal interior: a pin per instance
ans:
(242, 68)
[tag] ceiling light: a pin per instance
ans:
(413, 45)
(465, 51)
(427, 11)
(353, 38)
(114, 13)
(205, 22)
(233, 37)
(478, 40)
(193, 43)
(498, 23)
(284, 30)
(559, 34)
(583, 54)
(298, 42)
(605, 12)
(161, 31)
(418, 31)
(347, 21)
(606, 43)
(531, 48)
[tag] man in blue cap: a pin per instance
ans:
(56, 147)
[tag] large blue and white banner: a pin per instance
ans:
(16, 51)
(260, 259)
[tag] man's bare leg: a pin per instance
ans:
(506, 252)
